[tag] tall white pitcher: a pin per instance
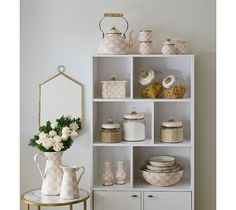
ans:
(69, 186)
(52, 176)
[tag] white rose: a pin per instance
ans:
(42, 135)
(65, 136)
(74, 126)
(66, 130)
(73, 134)
(47, 142)
(54, 125)
(57, 139)
(52, 133)
(57, 146)
(69, 116)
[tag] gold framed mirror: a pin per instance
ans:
(60, 95)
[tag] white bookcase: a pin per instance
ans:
(137, 193)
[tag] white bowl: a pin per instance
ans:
(160, 170)
(162, 161)
(157, 168)
(162, 179)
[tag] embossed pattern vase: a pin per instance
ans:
(52, 176)
(120, 173)
(108, 175)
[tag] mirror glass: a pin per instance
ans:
(60, 95)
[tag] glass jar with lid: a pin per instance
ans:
(134, 126)
(174, 87)
(111, 132)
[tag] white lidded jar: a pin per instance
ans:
(134, 126)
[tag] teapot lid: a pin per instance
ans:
(113, 30)
(168, 42)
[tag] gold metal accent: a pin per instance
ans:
(39, 208)
(61, 69)
(85, 204)
(71, 207)
(113, 14)
(28, 202)
(28, 207)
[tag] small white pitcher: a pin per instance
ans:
(69, 186)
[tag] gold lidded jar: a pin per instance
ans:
(174, 87)
(172, 131)
(110, 132)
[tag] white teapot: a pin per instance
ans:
(114, 42)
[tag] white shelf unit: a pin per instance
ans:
(134, 154)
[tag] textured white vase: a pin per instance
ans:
(107, 175)
(52, 176)
(120, 173)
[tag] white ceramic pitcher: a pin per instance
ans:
(52, 176)
(69, 186)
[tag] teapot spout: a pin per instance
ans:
(130, 41)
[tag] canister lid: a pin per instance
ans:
(113, 30)
(110, 125)
(169, 81)
(172, 123)
(134, 115)
(168, 42)
(146, 77)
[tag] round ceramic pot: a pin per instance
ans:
(145, 47)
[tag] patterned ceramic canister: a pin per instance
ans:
(180, 46)
(168, 47)
(52, 176)
(69, 187)
(145, 47)
(145, 35)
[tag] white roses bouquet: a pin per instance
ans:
(58, 136)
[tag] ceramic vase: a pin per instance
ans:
(107, 175)
(52, 176)
(69, 186)
(120, 173)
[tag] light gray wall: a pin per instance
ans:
(66, 32)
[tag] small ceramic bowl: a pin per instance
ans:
(162, 161)
(160, 169)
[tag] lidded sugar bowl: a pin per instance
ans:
(134, 126)
(168, 47)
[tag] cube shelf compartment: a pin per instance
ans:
(134, 154)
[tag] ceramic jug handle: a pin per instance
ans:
(37, 164)
(83, 170)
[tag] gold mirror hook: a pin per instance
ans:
(61, 69)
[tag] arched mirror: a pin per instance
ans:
(60, 95)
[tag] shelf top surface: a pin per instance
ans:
(143, 56)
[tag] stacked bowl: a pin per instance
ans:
(162, 171)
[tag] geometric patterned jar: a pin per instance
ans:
(52, 176)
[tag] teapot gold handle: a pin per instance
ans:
(110, 14)
(113, 14)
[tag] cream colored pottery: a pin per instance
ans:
(107, 175)
(180, 46)
(162, 161)
(162, 179)
(145, 48)
(52, 176)
(69, 186)
(114, 43)
(120, 173)
(168, 47)
(145, 35)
